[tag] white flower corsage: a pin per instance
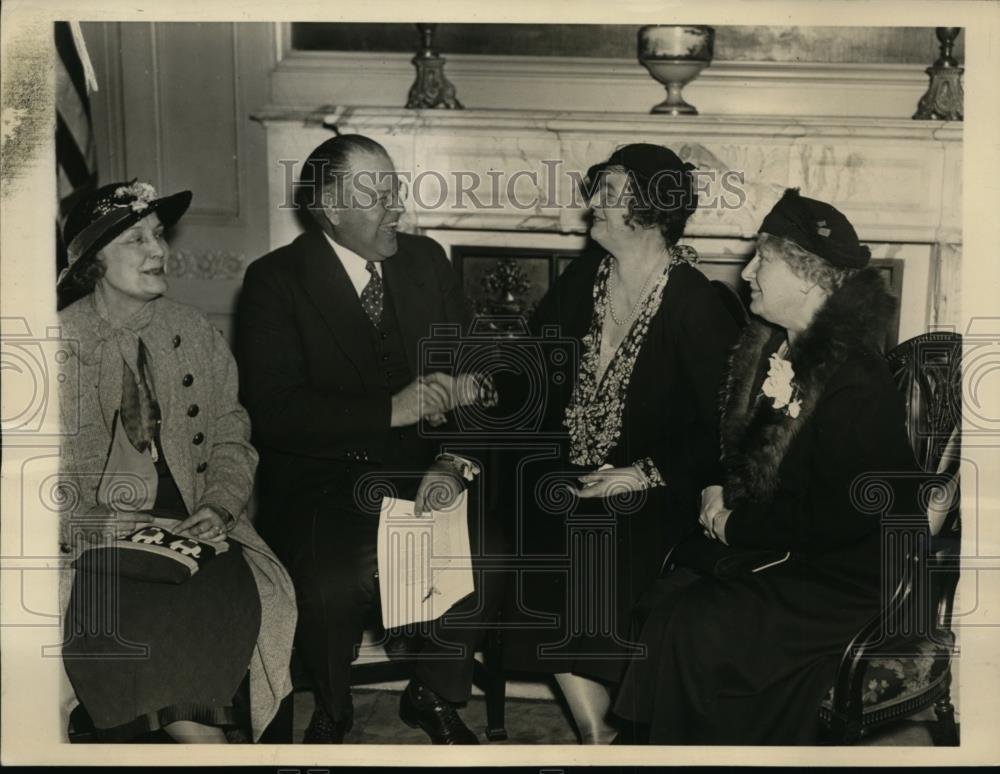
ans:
(780, 388)
(143, 193)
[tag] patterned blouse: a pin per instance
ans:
(594, 414)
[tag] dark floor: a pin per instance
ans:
(376, 721)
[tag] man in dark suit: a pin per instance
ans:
(328, 336)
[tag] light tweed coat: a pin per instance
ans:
(192, 366)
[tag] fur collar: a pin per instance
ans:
(756, 437)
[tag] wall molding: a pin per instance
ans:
(206, 265)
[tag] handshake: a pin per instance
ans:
(432, 396)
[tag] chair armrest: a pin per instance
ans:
(847, 686)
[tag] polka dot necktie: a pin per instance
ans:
(371, 295)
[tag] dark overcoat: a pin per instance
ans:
(597, 556)
(747, 660)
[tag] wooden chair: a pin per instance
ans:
(883, 679)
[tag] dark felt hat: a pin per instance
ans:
(104, 214)
(817, 227)
(650, 164)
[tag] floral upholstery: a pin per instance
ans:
(897, 679)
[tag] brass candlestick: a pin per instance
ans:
(431, 89)
(945, 96)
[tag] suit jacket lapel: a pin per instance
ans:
(326, 283)
(414, 315)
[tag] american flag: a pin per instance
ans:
(76, 156)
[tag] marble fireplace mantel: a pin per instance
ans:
(899, 181)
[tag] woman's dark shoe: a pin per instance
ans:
(323, 729)
(420, 707)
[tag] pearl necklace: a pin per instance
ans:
(642, 296)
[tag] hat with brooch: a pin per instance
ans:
(817, 227)
(110, 210)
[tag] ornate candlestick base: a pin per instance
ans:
(431, 89)
(945, 97)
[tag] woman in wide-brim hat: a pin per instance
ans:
(745, 655)
(159, 438)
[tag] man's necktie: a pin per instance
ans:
(371, 295)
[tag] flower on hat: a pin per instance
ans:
(780, 386)
(140, 193)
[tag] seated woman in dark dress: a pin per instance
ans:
(160, 440)
(639, 431)
(809, 406)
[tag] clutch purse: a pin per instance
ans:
(152, 554)
(710, 557)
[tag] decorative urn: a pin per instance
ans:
(674, 55)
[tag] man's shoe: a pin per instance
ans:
(323, 729)
(420, 707)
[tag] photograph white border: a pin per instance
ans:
(30, 684)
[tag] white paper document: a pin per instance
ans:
(424, 564)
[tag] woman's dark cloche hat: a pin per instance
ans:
(817, 227)
(111, 209)
(647, 162)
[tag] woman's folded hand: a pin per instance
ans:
(714, 513)
(608, 482)
(204, 524)
(711, 498)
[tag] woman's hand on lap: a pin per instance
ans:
(713, 519)
(611, 481)
(204, 524)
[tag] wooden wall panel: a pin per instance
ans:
(195, 81)
(174, 108)
(140, 120)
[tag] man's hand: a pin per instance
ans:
(420, 398)
(439, 489)
(465, 389)
(436, 420)
(434, 395)
(610, 481)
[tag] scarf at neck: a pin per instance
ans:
(123, 355)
